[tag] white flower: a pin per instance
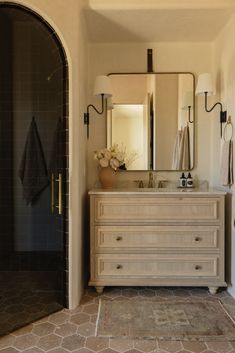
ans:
(104, 162)
(114, 148)
(113, 157)
(98, 155)
(107, 155)
(120, 156)
(114, 163)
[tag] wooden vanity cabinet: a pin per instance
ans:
(156, 239)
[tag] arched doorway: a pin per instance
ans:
(33, 168)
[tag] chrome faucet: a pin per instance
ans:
(151, 181)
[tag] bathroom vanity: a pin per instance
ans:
(157, 237)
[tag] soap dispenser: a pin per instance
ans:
(189, 181)
(182, 181)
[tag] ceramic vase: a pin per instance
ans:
(107, 177)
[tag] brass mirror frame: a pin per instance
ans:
(193, 110)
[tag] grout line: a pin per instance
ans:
(98, 316)
(226, 312)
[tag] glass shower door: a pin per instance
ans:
(32, 169)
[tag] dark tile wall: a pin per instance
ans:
(6, 131)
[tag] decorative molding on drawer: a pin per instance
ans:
(156, 209)
(156, 266)
(152, 238)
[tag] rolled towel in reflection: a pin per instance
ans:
(33, 170)
(226, 168)
(176, 151)
(184, 159)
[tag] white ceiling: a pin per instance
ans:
(155, 25)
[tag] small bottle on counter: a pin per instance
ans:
(183, 181)
(189, 181)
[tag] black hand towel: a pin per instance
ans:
(33, 171)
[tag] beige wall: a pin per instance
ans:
(224, 71)
(128, 90)
(192, 57)
(66, 18)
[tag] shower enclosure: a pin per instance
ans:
(33, 164)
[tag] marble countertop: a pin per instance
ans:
(158, 191)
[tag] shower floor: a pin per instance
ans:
(26, 296)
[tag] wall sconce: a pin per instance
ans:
(102, 87)
(205, 86)
(188, 104)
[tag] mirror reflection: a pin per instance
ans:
(152, 118)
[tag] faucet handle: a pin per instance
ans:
(141, 184)
(161, 184)
(151, 181)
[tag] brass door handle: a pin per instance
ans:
(59, 180)
(52, 193)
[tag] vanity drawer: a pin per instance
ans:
(143, 209)
(156, 266)
(150, 238)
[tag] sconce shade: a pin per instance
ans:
(102, 86)
(204, 84)
(188, 100)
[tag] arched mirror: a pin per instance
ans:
(153, 119)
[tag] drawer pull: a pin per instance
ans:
(119, 267)
(197, 267)
(119, 238)
(198, 239)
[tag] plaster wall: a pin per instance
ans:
(224, 72)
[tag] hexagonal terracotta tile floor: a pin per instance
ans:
(74, 330)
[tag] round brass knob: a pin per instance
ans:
(119, 267)
(119, 238)
(197, 267)
(197, 238)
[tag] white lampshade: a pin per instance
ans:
(204, 84)
(102, 86)
(188, 100)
